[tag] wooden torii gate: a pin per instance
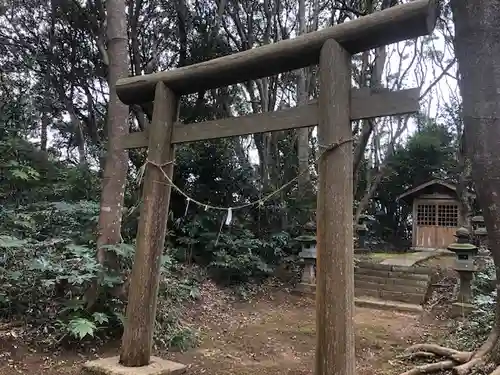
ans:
(337, 105)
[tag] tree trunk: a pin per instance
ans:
(464, 176)
(367, 132)
(375, 82)
(44, 130)
(477, 48)
(302, 96)
(116, 164)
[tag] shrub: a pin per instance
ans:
(233, 255)
(473, 331)
(47, 264)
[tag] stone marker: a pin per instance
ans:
(111, 366)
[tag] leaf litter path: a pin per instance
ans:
(271, 335)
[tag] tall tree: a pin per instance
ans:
(302, 97)
(116, 162)
(477, 48)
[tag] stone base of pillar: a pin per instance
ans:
(110, 366)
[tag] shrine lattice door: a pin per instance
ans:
(436, 223)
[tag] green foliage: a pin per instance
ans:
(81, 327)
(30, 175)
(48, 263)
(56, 220)
(232, 254)
(46, 280)
(170, 332)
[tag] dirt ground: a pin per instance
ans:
(274, 334)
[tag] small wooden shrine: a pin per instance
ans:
(436, 214)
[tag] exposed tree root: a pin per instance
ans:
(430, 368)
(441, 351)
(415, 355)
(462, 363)
(478, 358)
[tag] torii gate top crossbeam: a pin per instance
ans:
(401, 22)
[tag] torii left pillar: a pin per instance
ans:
(137, 339)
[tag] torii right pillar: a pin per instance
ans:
(335, 260)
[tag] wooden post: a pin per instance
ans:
(335, 264)
(141, 310)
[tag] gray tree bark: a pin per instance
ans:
(302, 96)
(116, 163)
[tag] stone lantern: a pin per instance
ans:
(361, 230)
(481, 240)
(477, 222)
(481, 235)
(308, 255)
(465, 267)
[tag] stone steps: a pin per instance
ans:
(392, 283)
(391, 274)
(366, 298)
(375, 303)
(385, 286)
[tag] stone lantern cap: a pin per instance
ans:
(308, 241)
(309, 236)
(477, 219)
(462, 235)
(463, 247)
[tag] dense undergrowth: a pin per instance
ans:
(48, 263)
(468, 334)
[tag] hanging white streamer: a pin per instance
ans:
(140, 174)
(187, 206)
(229, 216)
